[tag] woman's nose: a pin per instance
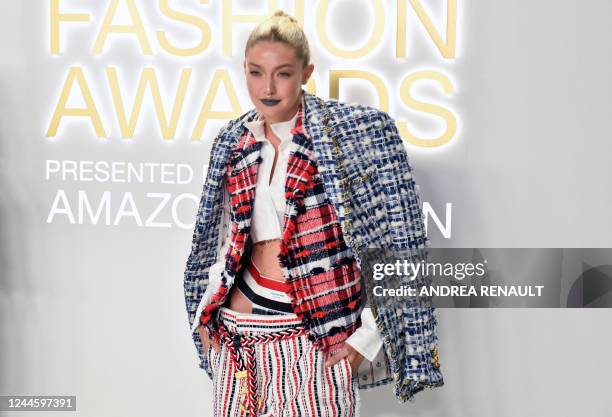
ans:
(270, 90)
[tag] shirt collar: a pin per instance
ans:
(281, 129)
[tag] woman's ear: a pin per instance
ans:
(307, 73)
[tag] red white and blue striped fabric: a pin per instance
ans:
(291, 377)
(267, 295)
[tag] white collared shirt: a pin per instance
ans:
(269, 205)
(266, 221)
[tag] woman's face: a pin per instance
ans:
(274, 77)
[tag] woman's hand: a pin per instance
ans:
(206, 340)
(355, 358)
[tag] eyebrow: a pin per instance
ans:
(280, 66)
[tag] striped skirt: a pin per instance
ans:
(290, 378)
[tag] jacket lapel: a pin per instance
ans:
(299, 171)
(244, 169)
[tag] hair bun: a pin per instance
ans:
(281, 27)
(282, 13)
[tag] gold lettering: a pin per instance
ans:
(203, 27)
(379, 19)
(148, 78)
(447, 115)
(228, 19)
(375, 80)
(447, 49)
(56, 18)
(220, 76)
(135, 28)
(90, 111)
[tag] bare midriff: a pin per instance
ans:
(265, 257)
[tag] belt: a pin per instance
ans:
(246, 368)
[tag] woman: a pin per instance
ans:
(294, 193)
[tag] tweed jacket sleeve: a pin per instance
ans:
(409, 329)
(216, 269)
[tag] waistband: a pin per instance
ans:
(252, 324)
(265, 281)
(240, 333)
(264, 299)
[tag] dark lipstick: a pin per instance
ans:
(269, 101)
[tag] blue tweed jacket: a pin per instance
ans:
(368, 179)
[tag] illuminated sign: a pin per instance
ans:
(170, 112)
(183, 65)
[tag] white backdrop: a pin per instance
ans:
(94, 307)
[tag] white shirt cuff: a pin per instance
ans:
(366, 339)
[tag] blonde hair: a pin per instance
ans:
(281, 27)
